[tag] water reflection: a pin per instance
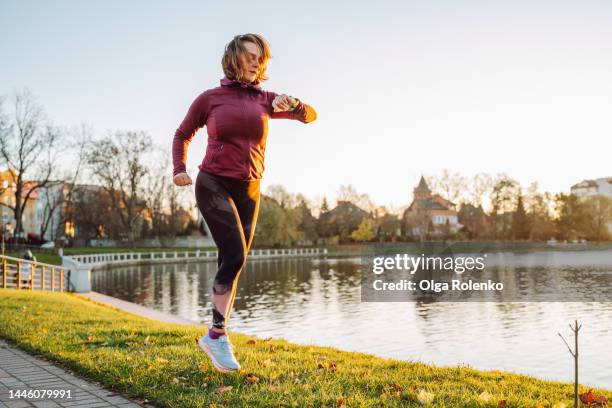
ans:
(318, 301)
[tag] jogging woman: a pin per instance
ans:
(227, 191)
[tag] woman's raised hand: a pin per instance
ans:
(283, 103)
(182, 179)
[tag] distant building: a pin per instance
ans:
(342, 220)
(429, 213)
(7, 197)
(51, 211)
(587, 188)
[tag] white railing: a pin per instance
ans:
(79, 266)
(128, 257)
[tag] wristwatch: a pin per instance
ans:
(295, 105)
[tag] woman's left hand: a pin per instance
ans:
(283, 103)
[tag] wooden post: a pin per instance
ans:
(32, 270)
(4, 272)
(61, 280)
(42, 277)
(18, 274)
(52, 279)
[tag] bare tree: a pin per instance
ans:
(157, 186)
(28, 148)
(279, 193)
(452, 186)
(175, 202)
(117, 161)
(574, 353)
(480, 188)
(350, 194)
(59, 196)
(539, 209)
(505, 191)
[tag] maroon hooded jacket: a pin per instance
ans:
(236, 118)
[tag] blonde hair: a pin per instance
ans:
(231, 57)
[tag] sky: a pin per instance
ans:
(401, 88)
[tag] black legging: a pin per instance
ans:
(229, 207)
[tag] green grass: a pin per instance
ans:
(52, 259)
(161, 362)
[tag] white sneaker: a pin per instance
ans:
(220, 352)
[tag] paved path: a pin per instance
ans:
(22, 371)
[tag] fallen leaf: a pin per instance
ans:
(203, 366)
(559, 405)
(484, 397)
(223, 390)
(590, 399)
(539, 405)
(251, 342)
(425, 397)
(332, 367)
(252, 379)
(502, 404)
(340, 403)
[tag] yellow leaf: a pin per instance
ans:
(484, 397)
(559, 405)
(425, 397)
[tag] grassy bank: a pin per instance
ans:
(161, 362)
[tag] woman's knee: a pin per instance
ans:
(230, 268)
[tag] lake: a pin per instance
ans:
(318, 301)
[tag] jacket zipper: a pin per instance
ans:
(247, 165)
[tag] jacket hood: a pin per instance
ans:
(232, 82)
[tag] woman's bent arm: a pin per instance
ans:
(194, 120)
(303, 112)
